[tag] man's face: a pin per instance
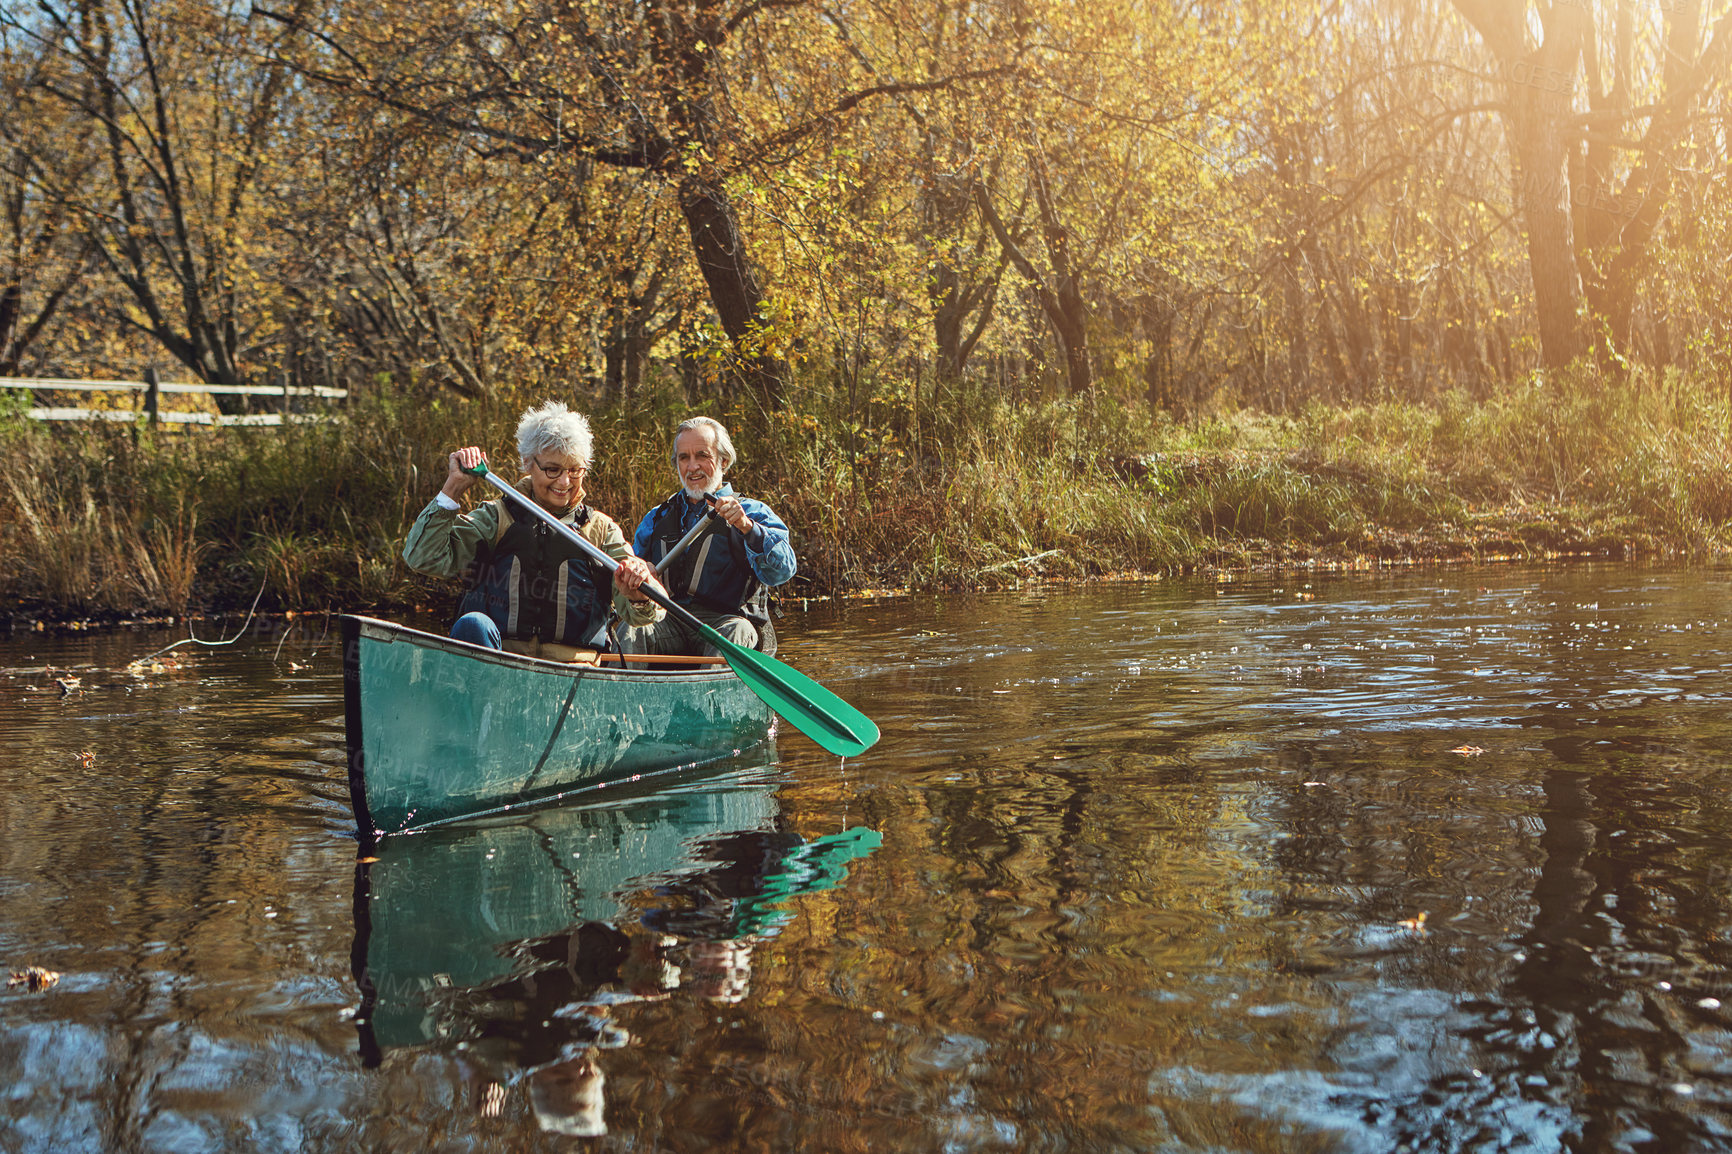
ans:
(697, 463)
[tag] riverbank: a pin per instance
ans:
(972, 492)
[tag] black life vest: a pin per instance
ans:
(534, 583)
(714, 570)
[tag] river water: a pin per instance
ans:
(1431, 861)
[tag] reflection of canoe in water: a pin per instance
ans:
(440, 729)
(465, 908)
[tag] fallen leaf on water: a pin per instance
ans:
(1415, 923)
(1468, 750)
(32, 978)
(86, 758)
(368, 860)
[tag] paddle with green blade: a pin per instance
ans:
(816, 712)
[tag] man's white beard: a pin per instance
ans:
(698, 493)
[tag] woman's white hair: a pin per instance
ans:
(551, 429)
(724, 445)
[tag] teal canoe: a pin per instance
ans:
(439, 729)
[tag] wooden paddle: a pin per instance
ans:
(816, 712)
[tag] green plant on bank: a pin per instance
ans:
(282, 560)
(908, 487)
(14, 408)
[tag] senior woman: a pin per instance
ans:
(529, 590)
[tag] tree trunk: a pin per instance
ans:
(613, 356)
(734, 288)
(1542, 142)
(947, 318)
(1621, 225)
(1298, 343)
(1157, 329)
(1060, 298)
(623, 353)
(1070, 318)
(1542, 133)
(11, 352)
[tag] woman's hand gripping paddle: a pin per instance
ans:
(816, 712)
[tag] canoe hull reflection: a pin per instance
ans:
(445, 912)
(526, 929)
(439, 729)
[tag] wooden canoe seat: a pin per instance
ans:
(571, 655)
(551, 651)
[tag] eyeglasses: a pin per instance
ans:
(555, 472)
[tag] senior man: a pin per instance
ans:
(721, 574)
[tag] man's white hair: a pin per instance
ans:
(724, 444)
(552, 429)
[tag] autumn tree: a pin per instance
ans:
(1690, 307)
(1647, 84)
(1381, 266)
(656, 87)
(1586, 88)
(406, 260)
(43, 256)
(182, 117)
(1118, 126)
(934, 147)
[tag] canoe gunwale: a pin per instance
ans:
(389, 631)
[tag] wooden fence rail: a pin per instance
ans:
(152, 388)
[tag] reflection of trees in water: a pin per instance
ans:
(1056, 891)
(1546, 941)
(139, 848)
(1166, 939)
(1597, 1027)
(1571, 983)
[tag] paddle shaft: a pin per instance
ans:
(692, 535)
(596, 553)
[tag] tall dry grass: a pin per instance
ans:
(966, 489)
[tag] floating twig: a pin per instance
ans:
(190, 640)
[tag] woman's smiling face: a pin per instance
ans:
(555, 480)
